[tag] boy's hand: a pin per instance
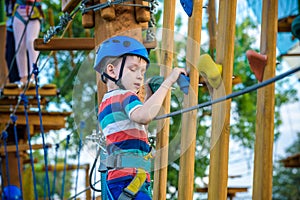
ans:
(172, 78)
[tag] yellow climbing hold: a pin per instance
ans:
(210, 70)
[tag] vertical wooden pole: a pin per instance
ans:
(3, 65)
(161, 159)
(212, 26)
(87, 182)
(189, 120)
(262, 181)
(218, 171)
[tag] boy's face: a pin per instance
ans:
(133, 73)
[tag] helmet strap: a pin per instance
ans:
(117, 82)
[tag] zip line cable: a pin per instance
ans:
(232, 95)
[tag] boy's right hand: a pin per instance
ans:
(172, 78)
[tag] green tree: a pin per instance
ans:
(286, 180)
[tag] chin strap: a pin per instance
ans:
(116, 81)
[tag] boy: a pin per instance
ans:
(122, 62)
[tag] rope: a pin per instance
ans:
(36, 72)
(230, 96)
(14, 119)
(25, 100)
(82, 126)
(54, 172)
(4, 137)
(65, 167)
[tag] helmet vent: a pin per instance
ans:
(126, 43)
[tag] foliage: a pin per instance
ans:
(286, 180)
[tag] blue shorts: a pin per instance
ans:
(116, 189)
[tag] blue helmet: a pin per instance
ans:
(118, 46)
(11, 192)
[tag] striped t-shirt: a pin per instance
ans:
(122, 135)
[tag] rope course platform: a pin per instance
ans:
(12, 89)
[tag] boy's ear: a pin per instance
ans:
(111, 70)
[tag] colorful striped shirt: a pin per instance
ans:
(122, 134)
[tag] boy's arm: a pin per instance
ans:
(151, 107)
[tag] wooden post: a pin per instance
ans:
(189, 120)
(123, 23)
(218, 170)
(3, 65)
(212, 26)
(262, 181)
(161, 158)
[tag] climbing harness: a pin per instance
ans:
(134, 186)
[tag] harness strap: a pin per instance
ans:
(127, 161)
(134, 186)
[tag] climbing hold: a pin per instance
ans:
(184, 83)
(296, 27)
(257, 63)
(210, 70)
(187, 6)
(11, 192)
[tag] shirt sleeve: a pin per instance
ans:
(131, 102)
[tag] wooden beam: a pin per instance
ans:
(59, 167)
(218, 169)
(263, 157)
(189, 119)
(292, 161)
(51, 120)
(69, 5)
(21, 147)
(69, 44)
(30, 92)
(285, 24)
(3, 65)
(162, 142)
(64, 44)
(290, 55)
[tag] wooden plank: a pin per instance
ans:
(69, 5)
(3, 65)
(51, 120)
(162, 142)
(59, 167)
(30, 92)
(285, 24)
(189, 119)
(218, 169)
(13, 102)
(292, 161)
(21, 147)
(230, 190)
(263, 157)
(74, 44)
(64, 44)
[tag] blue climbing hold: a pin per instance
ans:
(187, 6)
(11, 192)
(183, 81)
